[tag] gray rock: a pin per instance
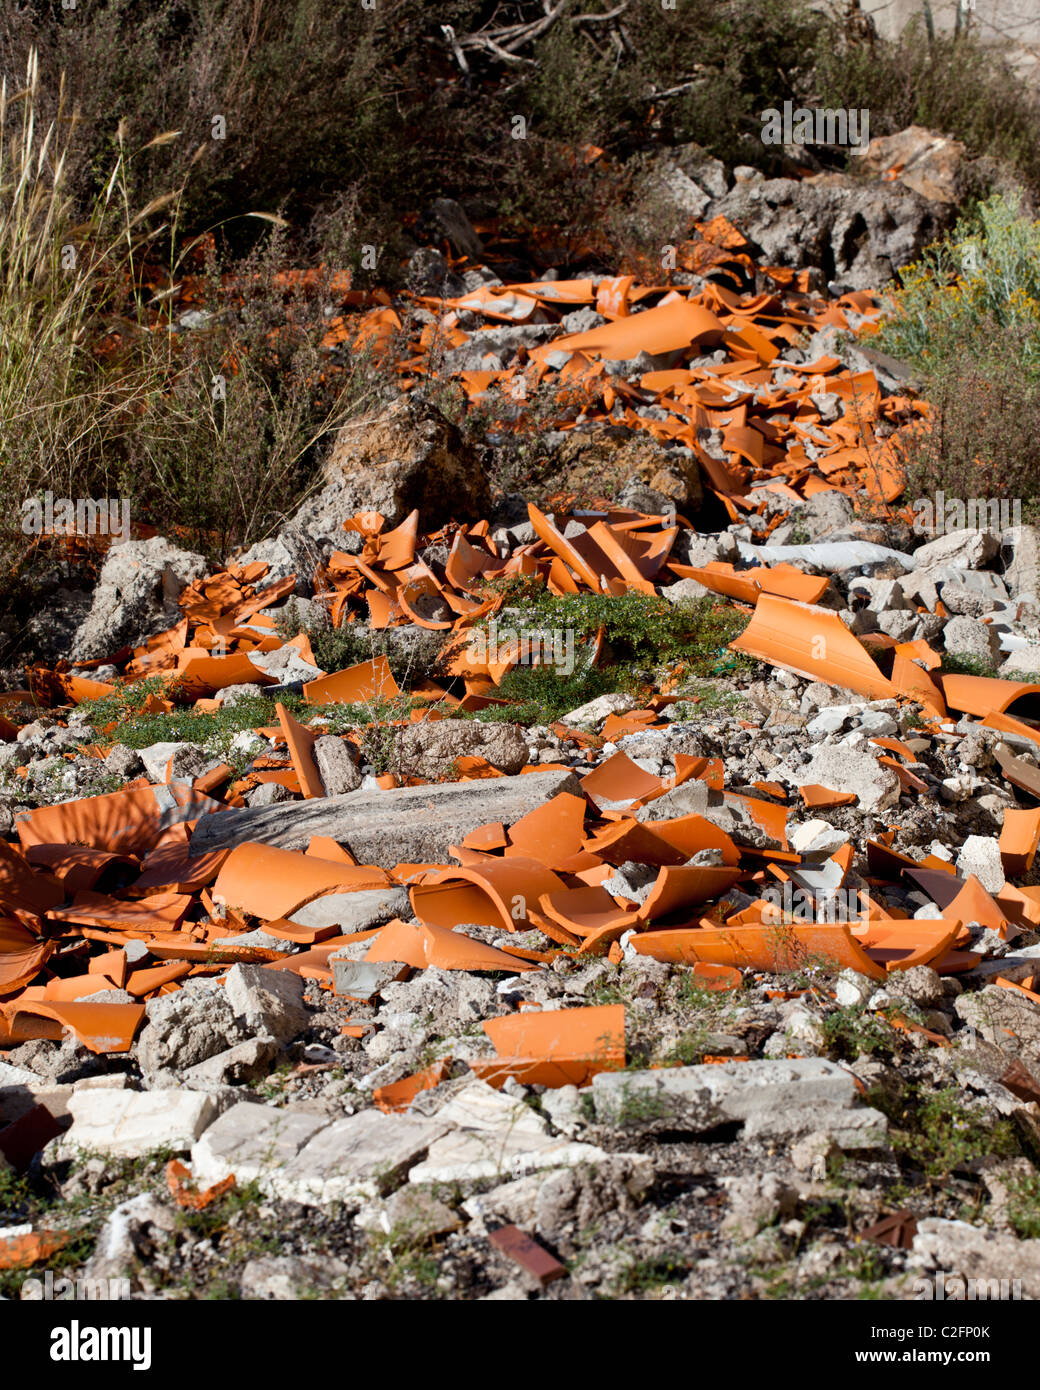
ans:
(867, 231)
(246, 1061)
(338, 770)
(130, 1237)
(431, 747)
(398, 457)
(970, 637)
(356, 911)
(849, 769)
(1004, 1018)
(280, 1278)
(136, 596)
(1005, 1266)
(270, 1002)
(186, 1028)
(407, 825)
(980, 855)
(251, 1142)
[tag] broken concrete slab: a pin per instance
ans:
(128, 1124)
(406, 825)
(700, 1098)
(250, 1141)
(363, 1156)
(269, 1001)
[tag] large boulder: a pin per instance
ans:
(860, 232)
(401, 456)
(136, 596)
(615, 463)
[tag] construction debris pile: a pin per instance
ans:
(523, 989)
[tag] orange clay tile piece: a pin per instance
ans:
(770, 948)
(551, 832)
(678, 889)
(901, 946)
(273, 883)
(300, 741)
(497, 893)
(820, 798)
(620, 779)
(1019, 839)
(561, 1046)
(419, 944)
(126, 822)
(398, 1095)
(369, 680)
(99, 1027)
(19, 1252)
(982, 695)
(186, 1195)
(812, 642)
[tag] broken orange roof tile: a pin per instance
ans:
(902, 945)
(274, 883)
(125, 822)
(982, 695)
(494, 894)
(30, 1247)
(555, 1047)
(773, 949)
(398, 1095)
(100, 1028)
(186, 1195)
(587, 911)
(145, 982)
(421, 944)
(619, 779)
(22, 955)
(812, 642)
(78, 866)
(157, 912)
(693, 833)
(21, 888)
(700, 769)
(629, 839)
(680, 888)
(368, 680)
(487, 837)
(300, 741)
(974, 904)
(665, 328)
(550, 832)
(324, 847)
(822, 798)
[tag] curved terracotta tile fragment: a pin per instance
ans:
(974, 904)
(101, 1028)
(22, 955)
(21, 888)
(398, 1096)
(78, 866)
(629, 839)
(368, 680)
(770, 949)
(620, 779)
(690, 834)
(981, 695)
(273, 883)
(126, 822)
(819, 798)
(812, 642)
(420, 944)
(300, 741)
(501, 894)
(594, 1035)
(1019, 838)
(587, 911)
(551, 832)
(678, 889)
(666, 328)
(902, 945)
